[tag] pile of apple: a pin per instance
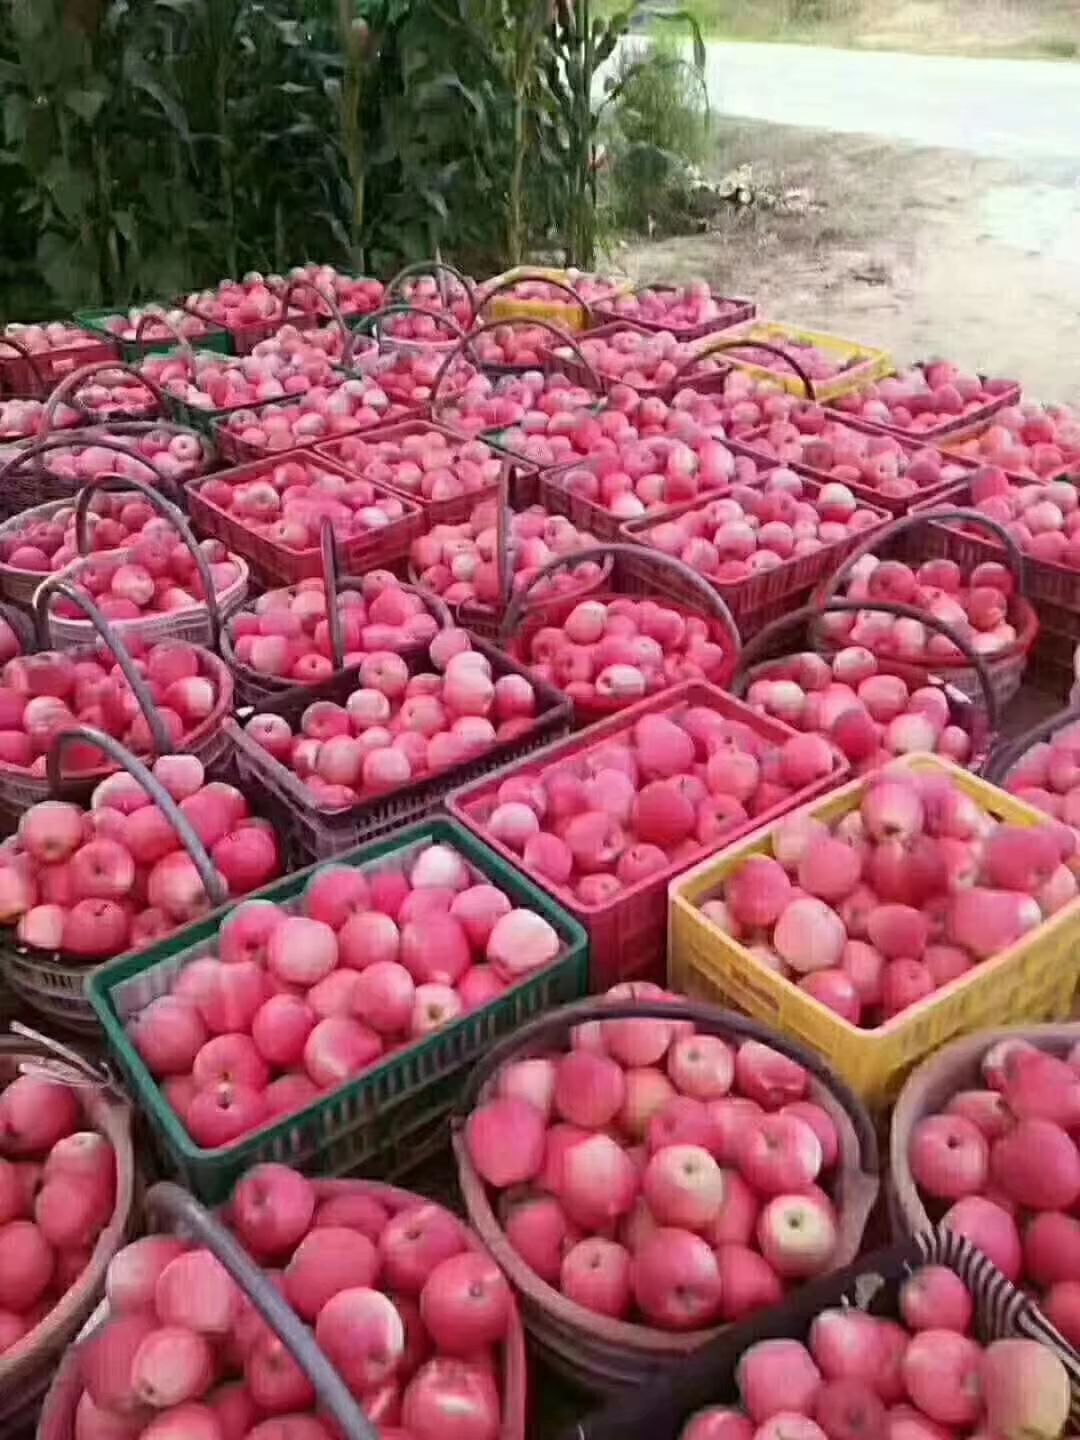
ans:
(890, 467)
(459, 562)
(642, 360)
(976, 607)
(869, 716)
(299, 1000)
(43, 339)
(533, 414)
(408, 376)
(236, 306)
(57, 1194)
(231, 382)
(324, 411)
(1034, 441)
(116, 395)
(125, 325)
(676, 307)
(441, 293)
(1043, 518)
(1048, 776)
(93, 883)
(524, 346)
(672, 1178)
(907, 893)
(923, 1377)
(406, 1306)
(286, 633)
(593, 289)
(289, 501)
(157, 575)
(353, 294)
(398, 727)
(299, 345)
(924, 397)
(642, 476)
(21, 419)
(655, 797)
(819, 364)
(427, 464)
(177, 457)
(47, 692)
(620, 650)
(116, 521)
(1004, 1157)
(745, 403)
(758, 527)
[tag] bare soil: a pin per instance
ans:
(924, 252)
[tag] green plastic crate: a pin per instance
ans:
(132, 351)
(391, 1117)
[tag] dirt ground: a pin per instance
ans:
(925, 252)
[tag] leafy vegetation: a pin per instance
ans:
(151, 146)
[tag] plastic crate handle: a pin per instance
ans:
(709, 1019)
(31, 360)
(713, 601)
(73, 382)
(87, 438)
(596, 384)
(756, 648)
(57, 585)
(1005, 756)
(486, 294)
(176, 1205)
(213, 882)
(175, 518)
(716, 347)
(877, 539)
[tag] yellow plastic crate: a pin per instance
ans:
(1033, 980)
(565, 314)
(870, 364)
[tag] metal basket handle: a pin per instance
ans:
(303, 283)
(484, 295)
(328, 549)
(175, 518)
(399, 307)
(71, 383)
(168, 1201)
(878, 539)
(466, 342)
(433, 267)
(716, 347)
(755, 649)
(1004, 756)
(182, 342)
(61, 1063)
(547, 1031)
(213, 881)
(31, 360)
(713, 601)
(57, 585)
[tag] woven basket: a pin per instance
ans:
(27, 1368)
(1006, 668)
(597, 1353)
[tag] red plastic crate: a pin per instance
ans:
(627, 934)
(376, 550)
(32, 376)
(975, 420)
(239, 452)
(896, 505)
(1070, 470)
(762, 594)
(246, 337)
(573, 369)
(454, 511)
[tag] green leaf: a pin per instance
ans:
(436, 201)
(138, 72)
(86, 103)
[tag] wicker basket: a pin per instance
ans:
(518, 629)
(464, 315)
(27, 1368)
(980, 721)
(30, 375)
(1006, 756)
(1006, 668)
(200, 623)
(602, 1354)
(67, 392)
(51, 983)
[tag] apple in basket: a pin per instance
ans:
(157, 575)
(177, 455)
(1048, 776)
(924, 397)
(425, 464)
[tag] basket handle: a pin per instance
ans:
(756, 648)
(171, 1202)
(716, 347)
(58, 585)
(548, 1029)
(175, 518)
(432, 267)
(328, 550)
(482, 297)
(61, 1063)
(71, 383)
(213, 882)
(402, 307)
(713, 601)
(465, 343)
(878, 539)
(152, 317)
(303, 283)
(31, 360)
(1004, 756)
